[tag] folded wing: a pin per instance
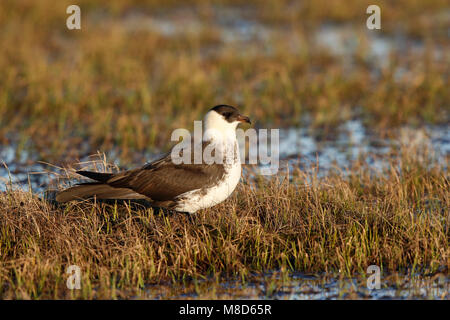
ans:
(161, 181)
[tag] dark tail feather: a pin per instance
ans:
(98, 176)
(98, 190)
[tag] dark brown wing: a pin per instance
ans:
(163, 180)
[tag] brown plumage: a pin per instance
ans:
(160, 182)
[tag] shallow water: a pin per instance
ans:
(240, 29)
(301, 286)
(353, 142)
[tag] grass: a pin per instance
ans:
(398, 220)
(66, 94)
(115, 86)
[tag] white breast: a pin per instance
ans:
(204, 198)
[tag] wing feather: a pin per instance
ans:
(160, 181)
(165, 180)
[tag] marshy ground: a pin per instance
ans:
(364, 143)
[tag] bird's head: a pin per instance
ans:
(224, 118)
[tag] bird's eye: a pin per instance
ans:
(227, 114)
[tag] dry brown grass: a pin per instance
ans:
(398, 220)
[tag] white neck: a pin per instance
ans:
(216, 128)
(222, 134)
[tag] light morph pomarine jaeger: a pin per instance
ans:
(184, 187)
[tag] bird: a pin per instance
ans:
(182, 187)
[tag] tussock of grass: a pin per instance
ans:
(398, 220)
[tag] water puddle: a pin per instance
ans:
(241, 29)
(20, 169)
(230, 24)
(301, 286)
(302, 147)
